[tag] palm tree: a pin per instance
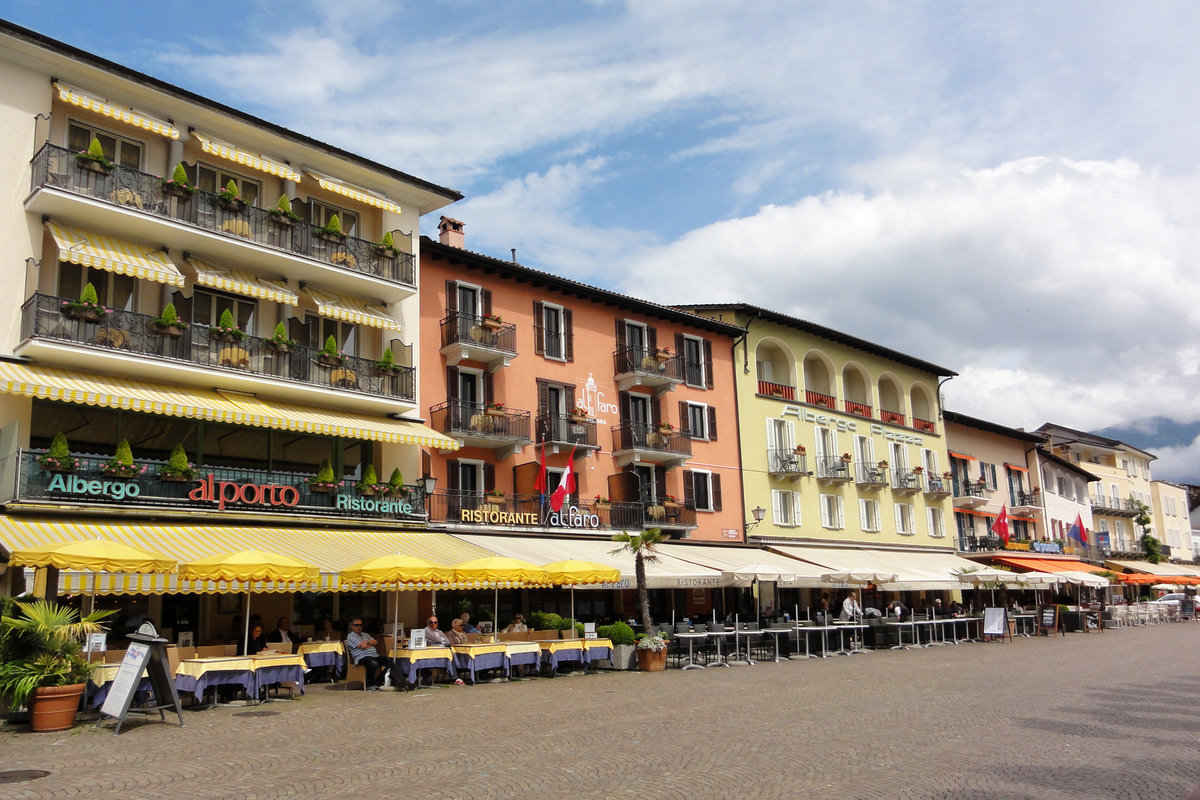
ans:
(642, 545)
(43, 648)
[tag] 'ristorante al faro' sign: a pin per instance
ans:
(568, 517)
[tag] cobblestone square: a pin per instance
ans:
(1109, 715)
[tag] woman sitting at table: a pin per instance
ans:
(517, 625)
(258, 641)
(326, 632)
(456, 634)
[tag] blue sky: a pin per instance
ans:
(1005, 189)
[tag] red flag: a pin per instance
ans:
(1077, 531)
(541, 479)
(565, 486)
(1000, 526)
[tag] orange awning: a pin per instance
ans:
(1047, 564)
(1014, 466)
(963, 456)
(1147, 580)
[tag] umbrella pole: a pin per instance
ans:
(396, 620)
(572, 610)
(246, 635)
(496, 612)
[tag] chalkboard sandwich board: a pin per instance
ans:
(147, 653)
(1048, 620)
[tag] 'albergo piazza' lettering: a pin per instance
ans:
(255, 494)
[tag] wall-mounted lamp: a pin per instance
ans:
(758, 512)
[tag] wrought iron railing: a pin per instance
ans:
(458, 417)
(904, 479)
(833, 468)
(232, 489)
(458, 327)
(1026, 499)
(127, 332)
(937, 485)
(786, 460)
(566, 429)
(56, 167)
(869, 474)
(632, 436)
(970, 488)
(648, 361)
(522, 510)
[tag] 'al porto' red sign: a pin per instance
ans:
(254, 494)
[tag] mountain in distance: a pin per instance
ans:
(1151, 433)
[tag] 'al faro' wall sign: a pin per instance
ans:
(568, 517)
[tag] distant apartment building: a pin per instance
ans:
(1171, 523)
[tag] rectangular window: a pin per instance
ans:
(114, 291)
(318, 329)
(322, 212)
(702, 491)
(208, 306)
(868, 515)
(117, 149)
(697, 420)
(213, 179)
(552, 332)
(904, 519)
(936, 520)
(987, 472)
(831, 512)
(785, 510)
(693, 361)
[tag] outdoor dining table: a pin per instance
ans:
(272, 668)
(323, 654)
(856, 630)
(966, 623)
(691, 638)
(929, 627)
(409, 662)
(734, 657)
(775, 634)
(595, 650)
(562, 651)
(523, 654)
(1025, 626)
(718, 637)
(196, 675)
(470, 659)
(824, 631)
(901, 625)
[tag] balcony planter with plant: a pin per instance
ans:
(330, 355)
(225, 330)
(282, 213)
(387, 364)
(395, 485)
(666, 428)
(493, 322)
(168, 323)
(87, 308)
(652, 652)
(495, 497)
(58, 458)
(882, 465)
(799, 450)
(178, 185)
(177, 469)
(601, 503)
(370, 486)
(93, 159)
(230, 198)
(663, 354)
(323, 482)
(670, 502)
(121, 464)
(494, 409)
(387, 248)
(332, 231)
(918, 470)
(847, 458)
(279, 341)
(41, 661)
(577, 416)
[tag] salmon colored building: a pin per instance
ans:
(636, 398)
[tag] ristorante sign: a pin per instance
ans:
(568, 517)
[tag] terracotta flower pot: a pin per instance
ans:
(652, 660)
(53, 707)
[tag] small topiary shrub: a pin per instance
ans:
(617, 633)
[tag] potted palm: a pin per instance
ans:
(643, 546)
(42, 665)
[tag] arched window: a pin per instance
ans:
(891, 400)
(818, 381)
(856, 390)
(776, 370)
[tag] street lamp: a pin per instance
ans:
(427, 482)
(758, 512)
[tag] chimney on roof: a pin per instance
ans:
(450, 233)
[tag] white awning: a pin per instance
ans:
(666, 572)
(1152, 569)
(914, 571)
(350, 309)
(740, 566)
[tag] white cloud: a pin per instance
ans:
(1181, 464)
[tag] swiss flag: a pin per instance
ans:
(565, 486)
(1000, 526)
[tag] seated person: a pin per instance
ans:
(363, 651)
(465, 617)
(517, 625)
(283, 633)
(257, 644)
(326, 631)
(956, 609)
(897, 610)
(457, 635)
(433, 636)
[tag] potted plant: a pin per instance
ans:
(387, 248)
(93, 159)
(918, 470)
(121, 464)
(495, 497)
(663, 354)
(58, 458)
(799, 450)
(670, 502)
(279, 341)
(323, 482)
(493, 322)
(643, 546)
(330, 355)
(43, 666)
(652, 651)
(178, 185)
(387, 364)
(177, 468)
(665, 428)
(168, 322)
(494, 409)
(225, 330)
(624, 652)
(331, 231)
(847, 458)
(87, 308)
(370, 485)
(601, 503)
(230, 198)
(282, 213)
(577, 416)
(883, 464)
(395, 485)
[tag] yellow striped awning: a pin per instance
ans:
(235, 154)
(114, 255)
(127, 115)
(365, 196)
(70, 386)
(330, 550)
(242, 282)
(350, 309)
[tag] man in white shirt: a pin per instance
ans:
(850, 608)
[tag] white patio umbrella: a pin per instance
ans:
(753, 573)
(986, 575)
(1038, 581)
(859, 577)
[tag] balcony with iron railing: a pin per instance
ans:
(656, 444)
(781, 391)
(123, 334)
(938, 485)
(823, 400)
(787, 462)
(482, 425)
(473, 508)
(833, 468)
(470, 337)
(1023, 502)
(870, 475)
(654, 368)
(971, 494)
(906, 480)
(130, 191)
(859, 409)
(1113, 506)
(568, 430)
(234, 490)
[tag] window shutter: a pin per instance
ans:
(790, 427)
(689, 487)
(795, 499)
(452, 475)
(708, 368)
(620, 333)
(451, 297)
(660, 483)
(489, 387)
(685, 419)
(716, 492)
(452, 383)
(825, 509)
(679, 349)
(489, 477)
(712, 423)
(776, 506)
(570, 395)
(539, 325)
(863, 521)
(651, 337)
(485, 296)
(623, 404)
(543, 398)
(929, 522)
(841, 513)
(658, 415)
(568, 335)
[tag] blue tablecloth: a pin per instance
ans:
(223, 677)
(408, 667)
(265, 676)
(467, 664)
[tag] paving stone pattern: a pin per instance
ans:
(1110, 715)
